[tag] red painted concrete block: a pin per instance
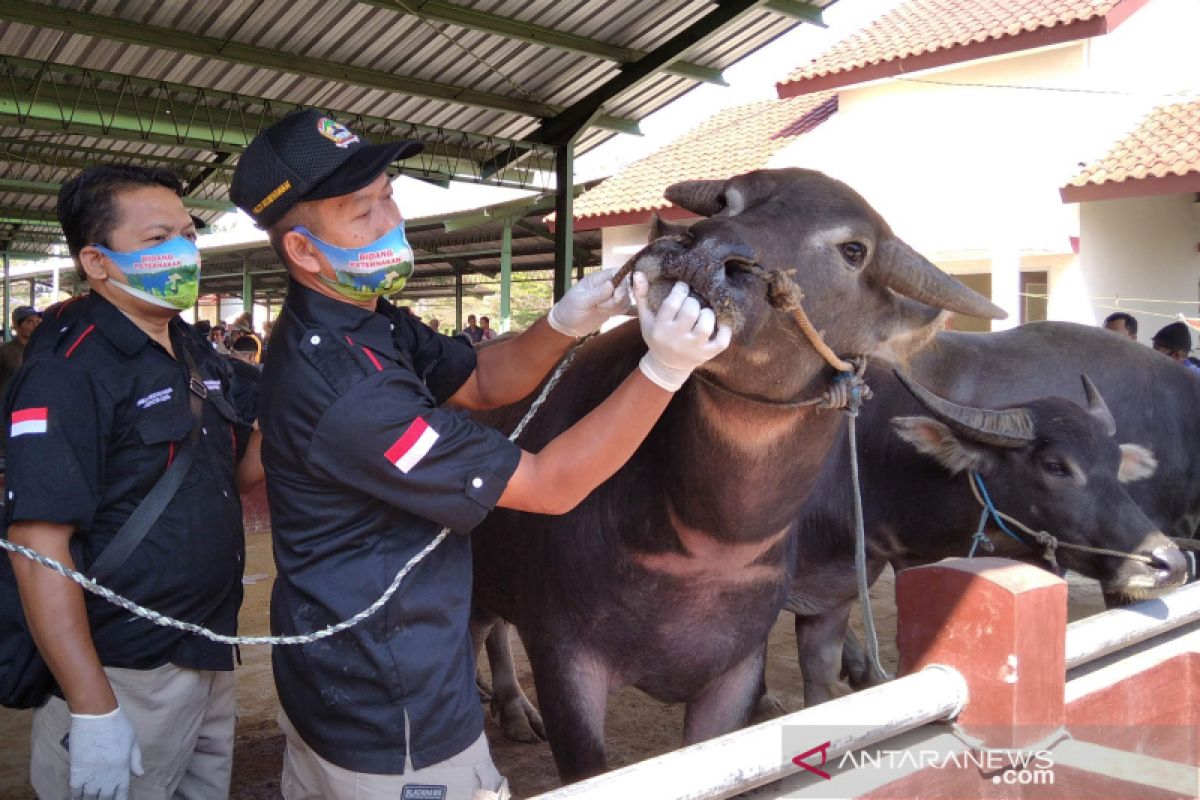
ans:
(1001, 624)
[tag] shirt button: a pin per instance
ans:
(204, 431)
(391, 327)
(224, 492)
(477, 483)
(314, 339)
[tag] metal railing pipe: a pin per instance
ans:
(752, 757)
(1097, 636)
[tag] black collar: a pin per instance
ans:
(120, 330)
(372, 328)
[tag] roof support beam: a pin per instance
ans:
(46, 188)
(805, 12)
(477, 20)
(27, 216)
(582, 254)
(68, 100)
(98, 25)
(573, 119)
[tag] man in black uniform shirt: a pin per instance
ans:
(97, 414)
(364, 465)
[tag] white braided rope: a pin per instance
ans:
(302, 638)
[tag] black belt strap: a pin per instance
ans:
(148, 511)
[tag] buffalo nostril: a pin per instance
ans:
(1170, 560)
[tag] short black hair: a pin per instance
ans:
(1129, 320)
(87, 207)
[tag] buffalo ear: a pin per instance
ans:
(938, 441)
(1137, 463)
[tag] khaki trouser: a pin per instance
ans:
(470, 775)
(183, 719)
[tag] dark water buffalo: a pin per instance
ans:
(918, 505)
(670, 575)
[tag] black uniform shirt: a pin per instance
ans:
(363, 470)
(94, 418)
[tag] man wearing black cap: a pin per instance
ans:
(24, 321)
(1175, 341)
(364, 465)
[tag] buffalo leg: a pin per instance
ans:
(572, 689)
(518, 718)
(819, 651)
(766, 706)
(726, 703)
(480, 626)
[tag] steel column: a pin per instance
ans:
(458, 294)
(7, 293)
(248, 291)
(564, 217)
(506, 277)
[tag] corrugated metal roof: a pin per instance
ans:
(493, 87)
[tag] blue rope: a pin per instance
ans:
(990, 509)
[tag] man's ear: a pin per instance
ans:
(300, 252)
(93, 263)
(1137, 463)
(936, 440)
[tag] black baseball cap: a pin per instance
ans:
(22, 313)
(1176, 336)
(307, 155)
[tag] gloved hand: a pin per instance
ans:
(589, 303)
(104, 751)
(679, 335)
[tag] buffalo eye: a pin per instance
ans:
(1056, 468)
(855, 253)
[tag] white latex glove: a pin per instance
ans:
(680, 335)
(104, 751)
(589, 303)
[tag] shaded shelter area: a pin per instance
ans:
(501, 93)
(470, 252)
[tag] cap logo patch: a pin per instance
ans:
(273, 196)
(336, 132)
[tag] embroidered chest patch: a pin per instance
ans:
(154, 398)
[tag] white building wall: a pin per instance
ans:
(1134, 251)
(620, 242)
(966, 162)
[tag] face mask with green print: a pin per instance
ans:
(167, 274)
(365, 273)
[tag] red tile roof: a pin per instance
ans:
(922, 34)
(1162, 154)
(733, 141)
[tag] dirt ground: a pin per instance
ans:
(638, 727)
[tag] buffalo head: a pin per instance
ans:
(863, 288)
(1057, 468)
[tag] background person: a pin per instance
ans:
(365, 465)
(24, 320)
(1175, 341)
(100, 410)
(1122, 323)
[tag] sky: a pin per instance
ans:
(751, 79)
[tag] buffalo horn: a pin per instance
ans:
(1098, 408)
(1008, 428)
(907, 272)
(699, 197)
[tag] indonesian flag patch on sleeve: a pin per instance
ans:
(29, 420)
(412, 446)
